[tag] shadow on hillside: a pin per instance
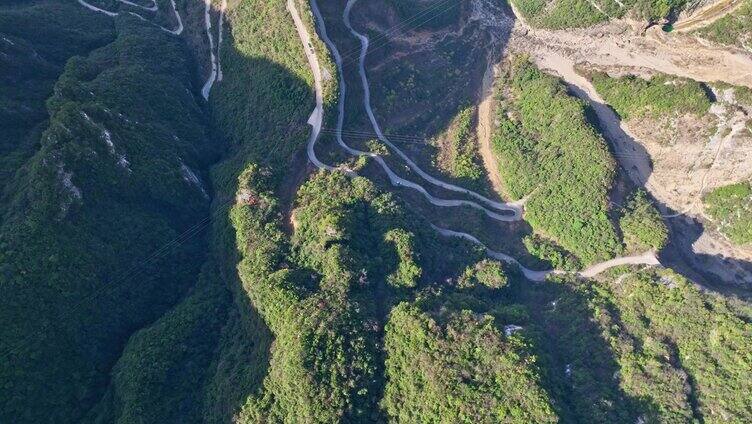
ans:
(419, 82)
(578, 368)
(635, 167)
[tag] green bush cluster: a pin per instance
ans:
(550, 252)
(316, 295)
(547, 150)
(686, 351)
(408, 272)
(731, 207)
(461, 156)
(635, 97)
(459, 369)
(636, 345)
(561, 14)
(81, 218)
(733, 29)
(642, 225)
(488, 273)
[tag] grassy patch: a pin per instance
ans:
(642, 225)
(734, 29)
(731, 208)
(458, 155)
(457, 367)
(632, 96)
(547, 150)
(561, 14)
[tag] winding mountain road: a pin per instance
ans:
(152, 8)
(511, 207)
(316, 119)
(216, 71)
(707, 15)
(395, 179)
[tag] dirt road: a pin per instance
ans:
(485, 129)
(707, 15)
(614, 44)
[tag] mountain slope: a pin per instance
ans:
(116, 176)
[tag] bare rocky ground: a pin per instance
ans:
(678, 159)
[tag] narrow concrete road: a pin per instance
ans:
(395, 179)
(317, 116)
(509, 207)
(177, 31)
(216, 71)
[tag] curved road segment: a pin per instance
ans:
(316, 120)
(216, 70)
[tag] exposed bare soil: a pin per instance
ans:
(617, 44)
(679, 158)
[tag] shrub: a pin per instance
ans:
(549, 251)
(459, 370)
(486, 273)
(642, 225)
(547, 150)
(731, 207)
(635, 97)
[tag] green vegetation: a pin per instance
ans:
(486, 273)
(325, 300)
(156, 378)
(36, 40)
(560, 14)
(655, 11)
(408, 271)
(642, 225)
(115, 175)
(427, 14)
(731, 208)
(734, 29)
(635, 345)
(551, 253)
(635, 97)
(324, 362)
(685, 351)
(422, 90)
(458, 155)
(456, 367)
(548, 151)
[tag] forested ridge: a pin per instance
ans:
(166, 259)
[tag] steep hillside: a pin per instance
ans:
(36, 39)
(117, 174)
(562, 14)
(734, 29)
(549, 152)
(178, 244)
